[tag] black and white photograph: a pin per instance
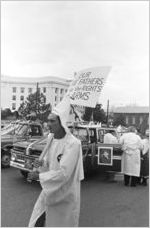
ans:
(105, 156)
(74, 113)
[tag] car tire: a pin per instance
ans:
(5, 160)
(24, 173)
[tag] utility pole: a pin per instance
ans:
(107, 112)
(92, 118)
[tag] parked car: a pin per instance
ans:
(96, 154)
(17, 132)
(24, 153)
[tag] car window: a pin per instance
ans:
(92, 134)
(83, 133)
(35, 130)
(112, 132)
(21, 130)
(103, 132)
(80, 133)
(101, 136)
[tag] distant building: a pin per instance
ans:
(15, 90)
(137, 116)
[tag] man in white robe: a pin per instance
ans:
(131, 146)
(60, 176)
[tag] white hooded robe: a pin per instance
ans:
(131, 146)
(60, 180)
(60, 197)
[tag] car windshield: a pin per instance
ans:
(32, 130)
(21, 130)
(106, 133)
(10, 129)
(80, 133)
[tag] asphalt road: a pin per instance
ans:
(103, 203)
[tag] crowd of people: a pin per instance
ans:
(135, 157)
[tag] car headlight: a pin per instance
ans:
(13, 157)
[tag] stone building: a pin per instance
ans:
(15, 90)
(137, 116)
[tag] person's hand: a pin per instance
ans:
(37, 163)
(34, 175)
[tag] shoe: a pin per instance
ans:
(144, 183)
(139, 180)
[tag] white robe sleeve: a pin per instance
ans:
(53, 182)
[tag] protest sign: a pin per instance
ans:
(86, 88)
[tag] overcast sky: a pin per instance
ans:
(58, 38)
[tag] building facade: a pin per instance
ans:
(137, 116)
(15, 90)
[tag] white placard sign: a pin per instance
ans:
(86, 88)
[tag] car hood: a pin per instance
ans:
(7, 137)
(24, 143)
(40, 144)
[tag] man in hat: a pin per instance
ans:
(60, 175)
(131, 146)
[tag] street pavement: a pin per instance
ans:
(103, 203)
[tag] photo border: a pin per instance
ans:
(104, 147)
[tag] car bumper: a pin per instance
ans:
(19, 166)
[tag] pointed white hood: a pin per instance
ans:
(63, 110)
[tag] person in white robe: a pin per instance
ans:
(130, 164)
(60, 175)
(110, 138)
